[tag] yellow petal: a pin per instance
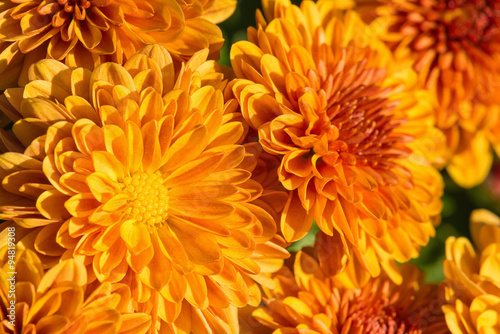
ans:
(170, 245)
(66, 271)
(196, 292)
(245, 52)
(203, 208)
(87, 33)
(106, 163)
(81, 205)
(182, 150)
(136, 323)
(192, 171)
(220, 11)
(158, 272)
(484, 228)
(81, 108)
(136, 236)
(472, 161)
(112, 74)
(51, 204)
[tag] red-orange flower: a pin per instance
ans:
(349, 126)
(455, 47)
(138, 171)
(89, 32)
(309, 302)
(59, 301)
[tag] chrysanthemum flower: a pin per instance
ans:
(88, 32)
(138, 172)
(58, 301)
(347, 123)
(455, 46)
(312, 303)
(473, 278)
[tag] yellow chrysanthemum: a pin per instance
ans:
(348, 124)
(455, 46)
(59, 301)
(138, 172)
(311, 303)
(88, 32)
(473, 278)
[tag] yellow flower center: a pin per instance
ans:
(149, 202)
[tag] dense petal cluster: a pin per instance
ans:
(349, 127)
(58, 301)
(455, 46)
(473, 278)
(138, 172)
(308, 302)
(89, 32)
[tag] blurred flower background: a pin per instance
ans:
(458, 202)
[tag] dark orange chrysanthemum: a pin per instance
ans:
(455, 46)
(138, 171)
(349, 127)
(88, 32)
(308, 302)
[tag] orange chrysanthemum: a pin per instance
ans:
(455, 46)
(58, 301)
(326, 96)
(137, 171)
(472, 282)
(88, 32)
(314, 304)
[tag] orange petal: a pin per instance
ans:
(203, 208)
(88, 33)
(201, 248)
(158, 272)
(51, 204)
(472, 162)
(183, 150)
(102, 186)
(66, 271)
(81, 205)
(192, 171)
(106, 162)
(295, 221)
(196, 293)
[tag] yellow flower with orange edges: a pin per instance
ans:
(309, 302)
(350, 128)
(473, 278)
(455, 47)
(137, 171)
(59, 300)
(85, 33)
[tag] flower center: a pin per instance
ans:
(470, 24)
(478, 23)
(149, 203)
(377, 311)
(378, 320)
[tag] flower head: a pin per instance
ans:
(85, 33)
(455, 46)
(58, 300)
(473, 278)
(138, 171)
(327, 98)
(309, 302)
